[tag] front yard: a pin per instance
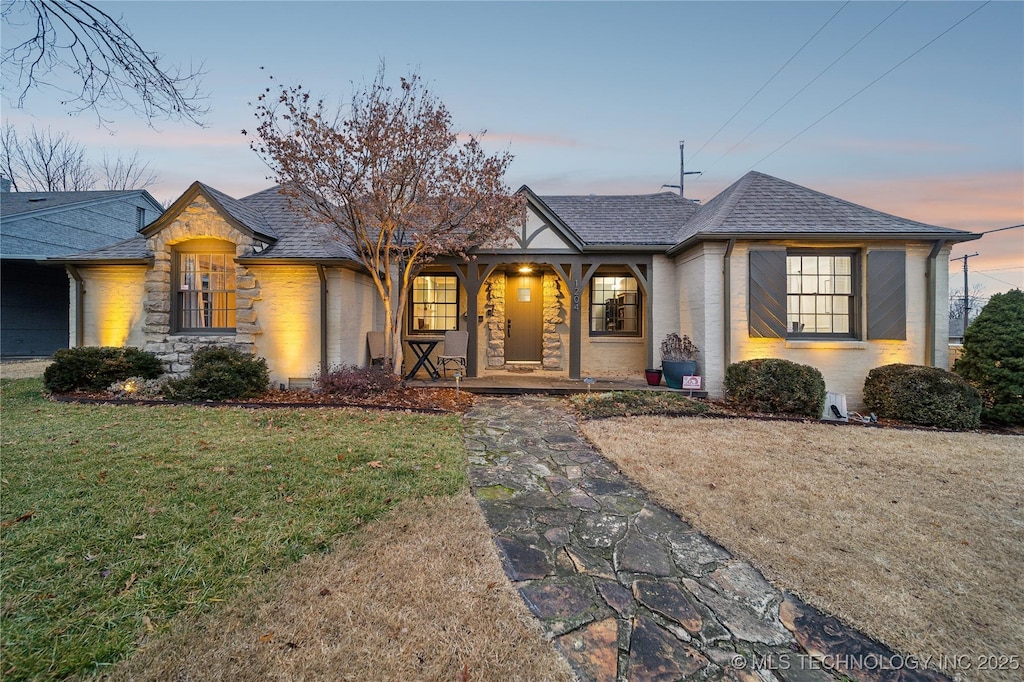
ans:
(123, 522)
(914, 537)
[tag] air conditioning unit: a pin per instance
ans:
(835, 408)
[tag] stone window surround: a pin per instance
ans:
(198, 221)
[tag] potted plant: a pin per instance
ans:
(678, 355)
(653, 376)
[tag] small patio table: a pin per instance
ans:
(422, 348)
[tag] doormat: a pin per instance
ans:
(519, 369)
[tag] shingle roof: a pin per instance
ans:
(759, 204)
(297, 236)
(18, 203)
(129, 249)
(623, 219)
(242, 212)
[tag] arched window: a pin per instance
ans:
(203, 286)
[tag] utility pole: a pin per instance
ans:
(966, 304)
(682, 170)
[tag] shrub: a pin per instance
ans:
(993, 359)
(94, 368)
(927, 396)
(358, 382)
(221, 373)
(777, 386)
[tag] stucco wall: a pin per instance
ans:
(113, 306)
(845, 363)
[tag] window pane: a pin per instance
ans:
(435, 303)
(615, 305)
(843, 284)
(844, 265)
(809, 265)
(809, 284)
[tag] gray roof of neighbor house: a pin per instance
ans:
(759, 205)
(652, 219)
(37, 225)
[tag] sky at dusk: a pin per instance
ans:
(594, 97)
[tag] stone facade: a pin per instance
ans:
(554, 321)
(198, 221)
(554, 324)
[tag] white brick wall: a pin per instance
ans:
(113, 303)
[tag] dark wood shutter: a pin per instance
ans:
(767, 297)
(887, 295)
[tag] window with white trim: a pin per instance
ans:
(204, 287)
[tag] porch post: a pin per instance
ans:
(472, 285)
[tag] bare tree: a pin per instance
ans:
(126, 172)
(975, 302)
(388, 173)
(89, 56)
(47, 161)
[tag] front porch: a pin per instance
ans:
(504, 382)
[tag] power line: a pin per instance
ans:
(848, 99)
(770, 80)
(809, 84)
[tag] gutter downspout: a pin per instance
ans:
(79, 306)
(726, 305)
(930, 303)
(323, 317)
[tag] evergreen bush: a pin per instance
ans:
(993, 358)
(92, 368)
(776, 386)
(927, 396)
(221, 373)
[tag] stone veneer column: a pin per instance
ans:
(198, 221)
(495, 305)
(554, 315)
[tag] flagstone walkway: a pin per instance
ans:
(625, 589)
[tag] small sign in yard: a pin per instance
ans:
(691, 383)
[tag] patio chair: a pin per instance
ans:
(375, 340)
(455, 346)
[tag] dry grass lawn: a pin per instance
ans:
(914, 537)
(420, 595)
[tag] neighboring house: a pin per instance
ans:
(35, 226)
(589, 286)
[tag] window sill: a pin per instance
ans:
(617, 339)
(836, 344)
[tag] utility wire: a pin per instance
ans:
(770, 79)
(848, 99)
(809, 84)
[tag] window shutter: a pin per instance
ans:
(887, 295)
(767, 304)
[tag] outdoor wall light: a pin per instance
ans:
(525, 269)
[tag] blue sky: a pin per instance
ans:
(594, 97)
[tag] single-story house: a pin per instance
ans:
(589, 286)
(35, 226)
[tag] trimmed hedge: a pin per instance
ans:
(776, 386)
(94, 368)
(927, 396)
(993, 358)
(221, 373)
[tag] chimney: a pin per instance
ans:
(5, 184)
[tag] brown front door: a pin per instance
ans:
(524, 318)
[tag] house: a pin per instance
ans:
(38, 225)
(589, 286)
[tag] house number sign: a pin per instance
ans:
(576, 294)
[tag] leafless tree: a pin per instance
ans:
(389, 175)
(975, 302)
(91, 58)
(45, 161)
(48, 161)
(126, 172)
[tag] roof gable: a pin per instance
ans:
(240, 216)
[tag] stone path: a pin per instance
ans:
(625, 589)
